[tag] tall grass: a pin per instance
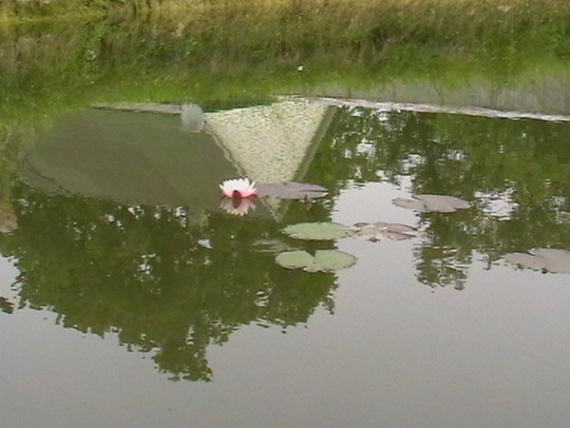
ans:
(226, 48)
(363, 29)
(345, 31)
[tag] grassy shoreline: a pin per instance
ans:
(364, 30)
(227, 50)
(465, 12)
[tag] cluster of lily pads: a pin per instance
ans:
(332, 260)
(238, 193)
(237, 200)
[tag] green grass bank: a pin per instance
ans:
(61, 54)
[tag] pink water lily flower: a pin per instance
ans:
(238, 188)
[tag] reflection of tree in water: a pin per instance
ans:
(167, 281)
(171, 282)
(14, 140)
(523, 163)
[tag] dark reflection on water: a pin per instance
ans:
(515, 172)
(175, 279)
(167, 279)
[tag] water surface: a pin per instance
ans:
(107, 300)
(131, 296)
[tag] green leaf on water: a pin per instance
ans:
(294, 259)
(331, 260)
(322, 261)
(318, 231)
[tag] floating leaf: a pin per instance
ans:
(291, 190)
(410, 204)
(525, 260)
(558, 260)
(432, 203)
(322, 261)
(549, 259)
(319, 231)
(380, 230)
(443, 202)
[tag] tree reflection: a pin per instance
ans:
(523, 164)
(169, 281)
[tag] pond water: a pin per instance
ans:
(132, 294)
(107, 301)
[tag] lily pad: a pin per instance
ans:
(322, 261)
(443, 202)
(291, 190)
(432, 203)
(378, 231)
(410, 204)
(549, 259)
(318, 231)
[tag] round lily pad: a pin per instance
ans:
(318, 231)
(322, 261)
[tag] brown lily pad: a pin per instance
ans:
(380, 231)
(548, 259)
(432, 203)
(291, 190)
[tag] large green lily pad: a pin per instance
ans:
(317, 231)
(322, 261)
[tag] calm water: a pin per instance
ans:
(117, 312)
(131, 296)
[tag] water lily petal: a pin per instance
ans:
(238, 187)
